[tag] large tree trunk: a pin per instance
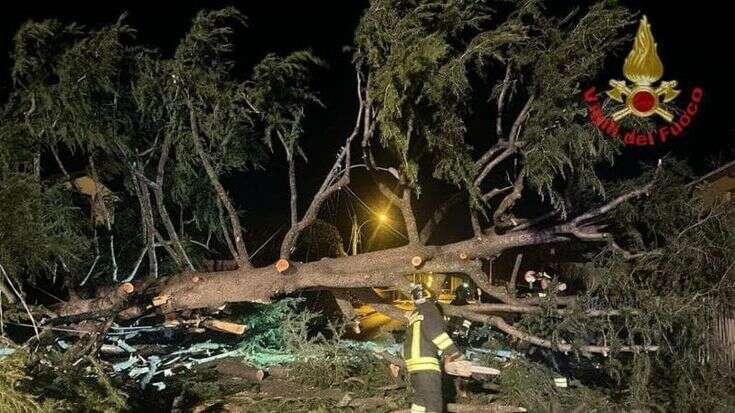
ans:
(384, 268)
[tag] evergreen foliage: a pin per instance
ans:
(672, 295)
(149, 124)
(52, 384)
(39, 231)
(422, 57)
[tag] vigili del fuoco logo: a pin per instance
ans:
(642, 97)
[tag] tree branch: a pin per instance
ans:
(510, 199)
(527, 223)
(501, 102)
(514, 276)
(510, 146)
(160, 202)
(515, 130)
(495, 192)
(225, 232)
(385, 268)
(146, 214)
(510, 149)
(485, 158)
(293, 190)
(509, 329)
(242, 257)
(613, 203)
(333, 182)
(486, 309)
(437, 217)
(403, 202)
(409, 218)
(108, 217)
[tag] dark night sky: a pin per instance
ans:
(692, 42)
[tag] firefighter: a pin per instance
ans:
(425, 338)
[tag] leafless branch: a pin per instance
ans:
(501, 102)
(485, 158)
(333, 181)
(137, 265)
(288, 147)
(510, 199)
(613, 203)
(495, 192)
(242, 256)
(475, 221)
(437, 217)
(161, 205)
(409, 218)
(225, 231)
(512, 331)
(515, 130)
(510, 149)
(22, 300)
(146, 214)
(510, 146)
(525, 224)
(402, 201)
(514, 275)
(531, 309)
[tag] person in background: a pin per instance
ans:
(459, 328)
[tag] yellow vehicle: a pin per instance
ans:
(372, 322)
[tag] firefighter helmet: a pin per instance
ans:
(419, 291)
(462, 293)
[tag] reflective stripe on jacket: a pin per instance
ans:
(425, 337)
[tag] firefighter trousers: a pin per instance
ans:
(427, 392)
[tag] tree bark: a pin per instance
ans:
(385, 268)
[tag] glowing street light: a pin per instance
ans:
(355, 238)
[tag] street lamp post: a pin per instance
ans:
(355, 237)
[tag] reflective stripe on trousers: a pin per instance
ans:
(415, 408)
(422, 363)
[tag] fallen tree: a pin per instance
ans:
(182, 126)
(202, 110)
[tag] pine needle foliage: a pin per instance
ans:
(673, 295)
(424, 59)
(96, 94)
(29, 385)
(38, 228)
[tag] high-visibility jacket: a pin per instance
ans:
(426, 336)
